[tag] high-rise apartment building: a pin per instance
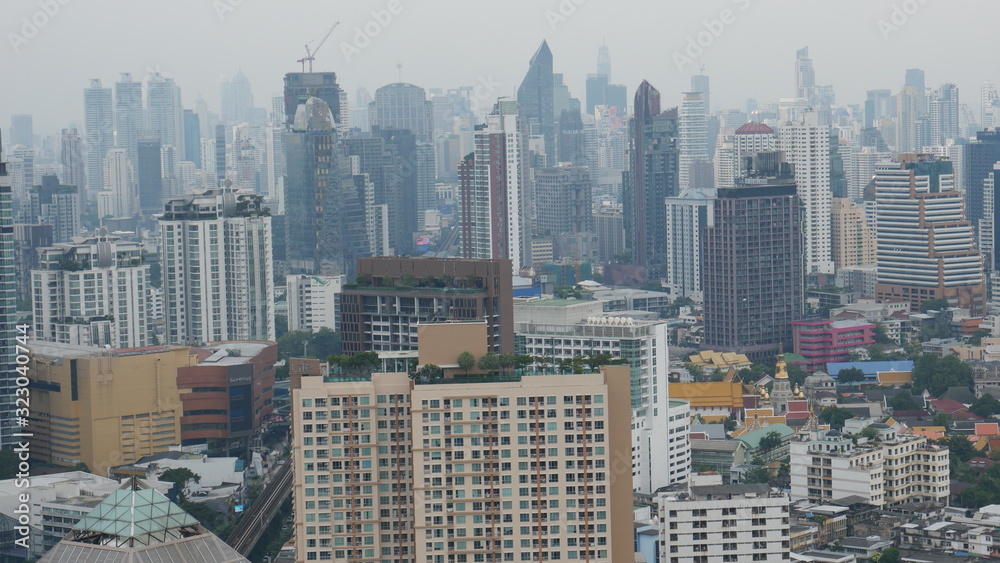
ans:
(942, 113)
(558, 331)
(653, 174)
(806, 145)
(8, 307)
(507, 471)
(494, 192)
(752, 262)
(120, 191)
(732, 152)
(978, 158)
(57, 205)
(926, 248)
(92, 293)
(687, 217)
(128, 115)
(563, 200)
(218, 272)
(393, 295)
(99, 129)
(693, 135)
(72, 159)
(609, 225)
(853, 241)
(536, 97)
(313, 302)
(403, 106)
(166, 116)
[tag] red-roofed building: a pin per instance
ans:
(752, 128)
(987, 429)
(947, 406)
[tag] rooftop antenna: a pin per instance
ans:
(310, 53)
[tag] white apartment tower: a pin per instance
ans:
(121, 188)
(733, 150)
(217, 268)
(94, 292)
(806, 145)
(686, 215)
(166, 116)
(495, 194)
(313, 302)
(694, 137)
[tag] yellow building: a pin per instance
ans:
(710, 360)
(853, 240)
(104, 407)
(711, 399)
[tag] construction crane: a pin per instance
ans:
(310, 53)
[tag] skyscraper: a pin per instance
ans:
(237, 100)
(909, 118)
(925, 244)
(806, 145)
(120, 190)
(8, 309)
(563, 200)
(604, 62)
(535, 95)
(943, 115)
(149, 174)
(571, 141)
(56, 205)
(700, 83)
(94, 293)
(99, 127)
(653, 174)
(218, 274)
(192, 138)
(163, 101)
(403, 106)
(978, 158)
(128, 115)
(687, 218)
(22, 130)
(853, 241)
(321, 199)
(601, 93)
(71, 158)
(494, 190)
(322, 85)
(693, 134)
(805, 76)
(752, 262)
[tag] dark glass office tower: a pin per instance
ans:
(192, 138)
(652, 175)
(322, 85)
(535, 97)
(150, 174)
(752, 262)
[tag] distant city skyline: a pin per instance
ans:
(266, 40)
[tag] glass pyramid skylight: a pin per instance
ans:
(132, 518)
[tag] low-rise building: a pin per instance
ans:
(226, 394)
(313, 302)
(894, 470)
(715, 522)
(823, 341)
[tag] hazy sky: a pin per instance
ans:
(450, 43)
